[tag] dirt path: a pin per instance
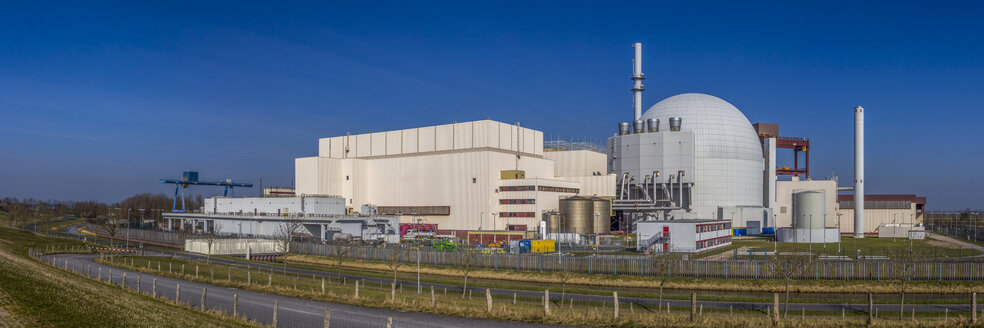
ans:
(961, 244)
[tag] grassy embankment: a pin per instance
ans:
(474, 306)
(849, 246)
(33, 294)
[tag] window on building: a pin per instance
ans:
(517, 201)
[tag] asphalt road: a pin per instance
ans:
(291, 312)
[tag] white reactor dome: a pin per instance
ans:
(727, 155)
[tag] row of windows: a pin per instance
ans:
(713, 242)
(559, 189)
(540, 188)
(517, 214)
(713, 227)
(517, 201)
(517, 188)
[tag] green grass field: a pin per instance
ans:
(36, 295)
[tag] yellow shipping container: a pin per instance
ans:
(542, 246)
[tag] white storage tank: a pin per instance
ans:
(809, 210)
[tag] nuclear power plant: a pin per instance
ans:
(691, 161)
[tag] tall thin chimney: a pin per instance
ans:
(858, 172)
(637, 76)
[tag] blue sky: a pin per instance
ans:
(99, 100)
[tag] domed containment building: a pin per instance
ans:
(690, 156)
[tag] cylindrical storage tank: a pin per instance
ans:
(623, 128)
(577, 215)
(809, 210)
(602, 215)
(675, 123)
(639, 126)
(553, 221)
(653, 125)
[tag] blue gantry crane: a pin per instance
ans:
(190, 178)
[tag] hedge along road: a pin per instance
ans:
(643, 302)
(291, 312)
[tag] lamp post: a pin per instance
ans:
(838, 233)
(810, 231)
(894, 218)
(912, 224)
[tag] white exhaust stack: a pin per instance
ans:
(858, 172)
(637, 76)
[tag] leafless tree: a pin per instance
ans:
(662, 266)
(339, 251)
(395, 255)
(284, 235)
(564, 276)
(110, 225)
(787, 268)
(901, 269)
(467, 259)
(210, 236)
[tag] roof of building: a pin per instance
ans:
(884, 198)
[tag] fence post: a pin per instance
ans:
(488, 299)
(546, 302)
(615, 301)
(177, 294)
(357, 289)
(235, 305)
(433, 299)
(276, 305)
(871, 309)
(693, 306)
(775, 309)
(204, 291)
(973, 307)
(322, 285)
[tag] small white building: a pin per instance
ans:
(686, 236)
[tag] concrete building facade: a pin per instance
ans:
(483, 174)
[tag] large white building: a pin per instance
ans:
(472, 175)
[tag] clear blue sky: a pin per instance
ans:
(99, 100)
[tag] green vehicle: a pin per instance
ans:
(445, 245)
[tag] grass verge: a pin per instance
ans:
(36, 295)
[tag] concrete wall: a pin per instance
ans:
(237, 246)
(577, 162)
(466, 180)
(457, 136)
(873, 218)
(275, 205)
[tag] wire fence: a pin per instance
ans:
(967, 232)
(751, 267)
(647, 265)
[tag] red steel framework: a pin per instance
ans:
(797, 145)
